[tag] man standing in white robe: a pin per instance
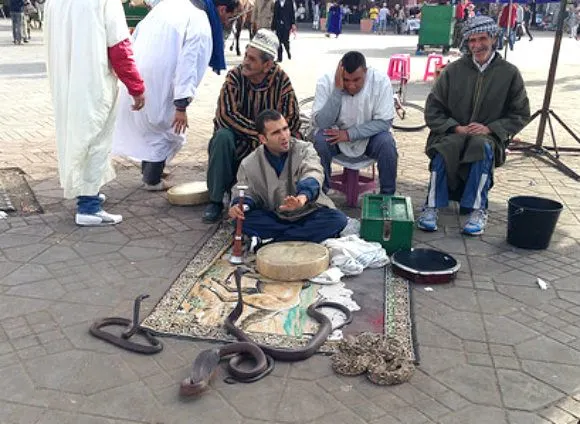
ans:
(88, 43)
(174, 44)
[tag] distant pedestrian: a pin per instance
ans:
(526, 22)
(334, 21)
(17, 16)
(283, 23)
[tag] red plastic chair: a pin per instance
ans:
(399, 67)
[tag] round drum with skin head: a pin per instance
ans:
(292, 260)
(188, 194)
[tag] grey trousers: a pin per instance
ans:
(17, 26)
(381, 148)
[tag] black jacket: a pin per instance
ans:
(284, 17)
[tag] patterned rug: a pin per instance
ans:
(196, 304)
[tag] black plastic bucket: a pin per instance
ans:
(531, 221)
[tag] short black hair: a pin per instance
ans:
(266, 116)
(231, 5)
(351, 61)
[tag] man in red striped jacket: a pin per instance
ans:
(255, 85)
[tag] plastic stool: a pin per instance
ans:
(350, 182)
(436, 60)
(399, 66)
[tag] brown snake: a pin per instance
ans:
(207, 361)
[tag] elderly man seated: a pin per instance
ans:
(284, 176)
(478, 103)
(257, 84)
(352, 113)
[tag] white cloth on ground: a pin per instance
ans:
(172, 47)
(352, 254)
(352, 227)
(373, 102)
(84, 88)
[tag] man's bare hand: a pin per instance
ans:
(138, 102)
(334, 136)
(236, 212)
(462, 129)
(478, 129)
(180, 122)
(339, 77)
(291, 203)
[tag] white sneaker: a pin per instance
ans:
(99, 219)
(160, 186)
(102, 198)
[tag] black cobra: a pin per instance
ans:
(132, 327)
(207, 361)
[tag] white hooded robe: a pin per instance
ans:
(172, 47)
(84, 88)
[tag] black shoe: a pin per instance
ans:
(213, 212)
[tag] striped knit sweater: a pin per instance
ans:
(240, 102)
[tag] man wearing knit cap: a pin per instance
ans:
(472, 120)
(255, 85)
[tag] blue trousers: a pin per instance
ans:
(88, 204)
(381, 147)
(476, 187)
(511, 39)
(318, 226)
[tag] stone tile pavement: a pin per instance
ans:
(495, 348)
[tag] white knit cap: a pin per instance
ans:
(266, 41)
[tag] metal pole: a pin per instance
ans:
(551, 75)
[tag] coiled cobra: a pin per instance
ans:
(206, 363)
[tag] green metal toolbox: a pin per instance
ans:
(437, 23)
(388, 220)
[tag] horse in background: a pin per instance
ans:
(243, 20)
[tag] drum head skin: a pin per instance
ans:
(188, 194)
(425, 266)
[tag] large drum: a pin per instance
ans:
(188, 194)
(292, 260)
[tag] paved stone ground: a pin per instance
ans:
(495, 348)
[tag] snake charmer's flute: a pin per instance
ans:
(237, 251)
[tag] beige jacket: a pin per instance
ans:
(268, 190)
(263, 13)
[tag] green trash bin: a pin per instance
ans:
(437, 23)
(134, 14)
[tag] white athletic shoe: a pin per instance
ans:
(102, 198)
(99, 219)
(160, 186)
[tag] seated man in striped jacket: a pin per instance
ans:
(255, 85)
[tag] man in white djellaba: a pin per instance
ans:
(88, 43)
(173, 44)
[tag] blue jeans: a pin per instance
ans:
(381, 147)
(17, 25)
(321, 224)
(88, 205)
(476, 188)
(511, 38)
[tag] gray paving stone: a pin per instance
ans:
(430, 334)
(135, 253)
(87, 249)
(519, 417)
(563, 377)
(388, 402)
(55, 254)
(79, 372)
(11, 306)
(11, 413)
(59, 417)
(476, 414)
(516, 278)
(127, 402)
(24, 253)
(312, 369)
(506, 362)
(262, 401)
(477, 384)
(558, 416)
(27, 273)
(48, 289)
(570, 405)
(409, 415)
(523, 392)
(301, 402)
(547, 350)
(531, 296)
(465, 325)
(6, 268)
(496, 303)
(16, 240)
(567, 283)
(434, 360)
(345, 417)
(358, 404)
(475, 347)
(502, 330)
(479, 359)
(458, 298)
